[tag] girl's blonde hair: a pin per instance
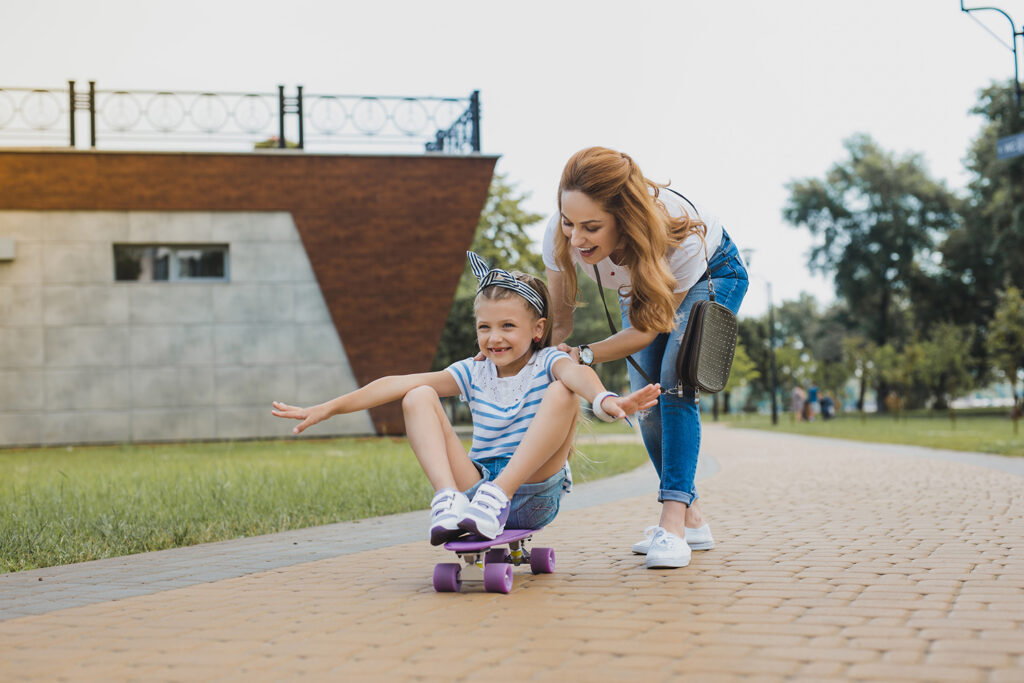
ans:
(614, 181)
(497, 293)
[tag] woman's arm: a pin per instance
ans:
(561, 307)
(624, 343)
(377, 392)
(583, 381)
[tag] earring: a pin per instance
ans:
(536, 340)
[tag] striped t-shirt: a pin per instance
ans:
(503, 407)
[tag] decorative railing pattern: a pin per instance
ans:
(119, 118)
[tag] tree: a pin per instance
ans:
(860, 354)
(944, 369)
(743, 372)
(992, 239)
(877, 217)
(982, 255)
(874, 214)
(1006, 342)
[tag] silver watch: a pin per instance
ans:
(586, 355)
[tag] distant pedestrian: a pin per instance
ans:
(797, 400)
(812, 402)
(827, 407)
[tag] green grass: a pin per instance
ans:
(978, 434)
(63, 505)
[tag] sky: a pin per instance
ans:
(729, 100)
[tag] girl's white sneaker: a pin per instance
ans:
(667, 551)
(446, 510)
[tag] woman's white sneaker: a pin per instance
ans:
(667, 551)
(697, 539)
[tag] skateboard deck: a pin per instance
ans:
(475, 543)
(487, 563)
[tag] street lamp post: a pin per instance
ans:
(1014, 33)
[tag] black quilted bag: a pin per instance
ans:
(708, 345)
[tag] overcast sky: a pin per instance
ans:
(729, 100)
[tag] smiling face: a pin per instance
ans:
(590, 229)
(505, 329)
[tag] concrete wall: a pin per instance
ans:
(386, 236)
(86, 359)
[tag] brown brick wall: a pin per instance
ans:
(386, 235)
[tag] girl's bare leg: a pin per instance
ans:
(435, 442)
(545, 446)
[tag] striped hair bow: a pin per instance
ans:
(496, 277)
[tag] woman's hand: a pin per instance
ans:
(309, 416)
(641, 399)
(573, 351)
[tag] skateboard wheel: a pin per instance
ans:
(542, 560)
(447, 577)
(495, 556)
(498, 578)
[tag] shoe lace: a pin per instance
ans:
(664, 540)
(649, 531)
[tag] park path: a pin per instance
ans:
(835, 560)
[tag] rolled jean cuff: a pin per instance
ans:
(678, 496)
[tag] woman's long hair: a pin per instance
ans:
(615, 183)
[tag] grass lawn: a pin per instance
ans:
(970, 433)
(63, 505)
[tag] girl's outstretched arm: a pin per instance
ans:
(377, 392)
(584, 382)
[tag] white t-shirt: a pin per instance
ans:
(686, 262)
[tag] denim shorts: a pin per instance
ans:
(533, 505)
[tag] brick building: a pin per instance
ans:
(172, 296)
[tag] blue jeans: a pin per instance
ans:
(534, 505)
(671, 429)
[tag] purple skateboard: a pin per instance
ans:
(492, 565)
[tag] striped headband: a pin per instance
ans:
(496, 277)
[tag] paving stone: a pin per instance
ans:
(870, 589)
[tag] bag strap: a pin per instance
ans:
(611, 325)
(711, 285)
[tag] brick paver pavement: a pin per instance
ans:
(834, 560)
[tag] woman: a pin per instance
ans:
(656, 249)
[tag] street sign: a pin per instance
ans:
(1010, 146)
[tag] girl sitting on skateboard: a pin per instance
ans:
(523, 397)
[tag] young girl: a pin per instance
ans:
(523, 398)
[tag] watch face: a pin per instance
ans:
(586, 355)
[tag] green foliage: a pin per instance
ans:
(986, 253)
(876, 217)
(1006, 336)
(743, 372)
(944, 368)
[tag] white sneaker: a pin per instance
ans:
(446, 510)
(487, 513)
(667, 551)
(697, 539)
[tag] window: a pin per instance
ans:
(171, 263)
